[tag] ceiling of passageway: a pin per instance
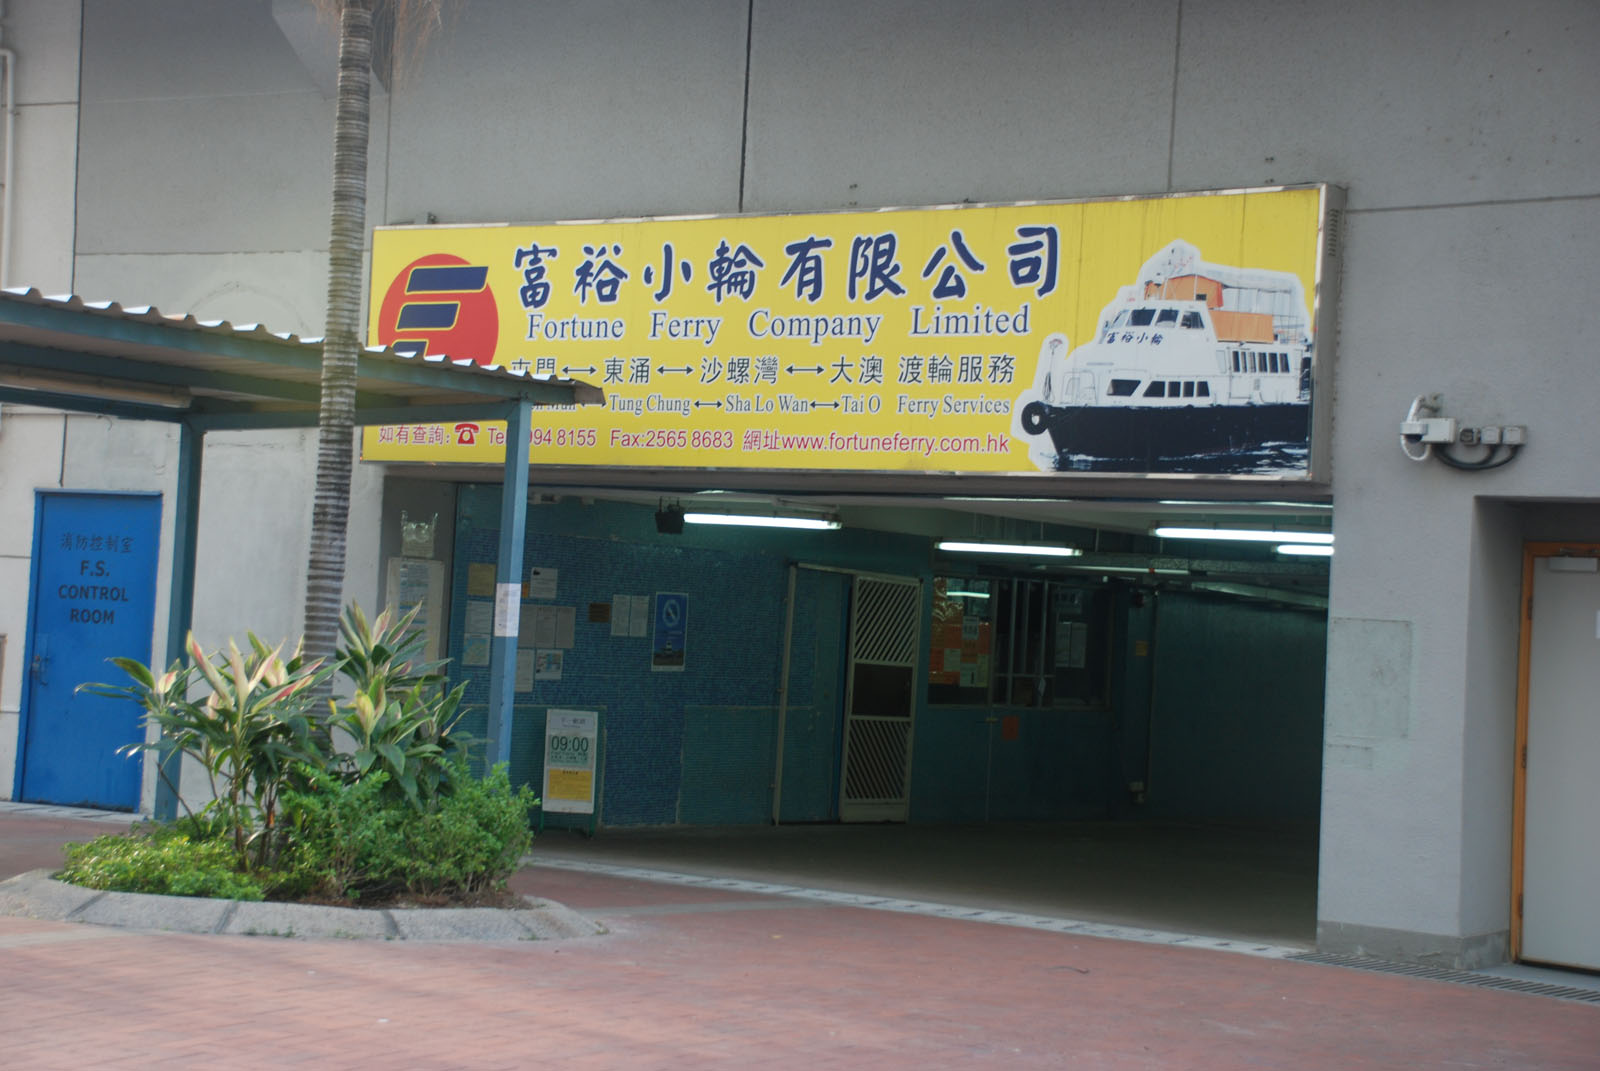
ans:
(1113, 533)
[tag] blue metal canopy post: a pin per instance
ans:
(508, 583)
(180, 601)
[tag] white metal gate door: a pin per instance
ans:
(880, 699)
(1560, 862)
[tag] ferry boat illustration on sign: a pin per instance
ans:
(1196, 367)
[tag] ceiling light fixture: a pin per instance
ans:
(1243, 535)
(1257, 591)
(1137, 570)
(1037, 550)
(751, 520)
(1213, 505)
(1307, 550)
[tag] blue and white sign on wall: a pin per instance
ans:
(672, 631)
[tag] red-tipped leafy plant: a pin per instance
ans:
(249, 733)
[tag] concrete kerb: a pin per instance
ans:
(37, 895)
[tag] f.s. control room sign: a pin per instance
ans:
(1170, 334)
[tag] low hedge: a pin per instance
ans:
(337, 841)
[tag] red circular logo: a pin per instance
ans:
(441, 305)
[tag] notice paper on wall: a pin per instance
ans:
(480, 579)
(547, 665)
(480, 617)
(548, 626)
(417, 585)
(1072, 644)
(541, 582)
(507, 603)
(631, 615)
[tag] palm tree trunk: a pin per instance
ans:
(342, 342)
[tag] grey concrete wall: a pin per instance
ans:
(568, 110)
(1414, 320)
(30, 443)
(929, 103)
(44, 36)
(205, 152)
(1489, 710)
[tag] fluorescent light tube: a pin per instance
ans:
(750, 520)
(1310, 550)
(1138, 570)
(1032, 549)
(1244, 535)
(1256, 591)
(966, 594)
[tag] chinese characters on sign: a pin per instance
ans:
(907, 340)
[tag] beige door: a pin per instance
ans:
(1560, 761)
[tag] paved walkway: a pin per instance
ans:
(698, 976)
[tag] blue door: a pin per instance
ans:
(92, 597)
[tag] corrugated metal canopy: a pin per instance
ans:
(66, 353)
(101, 357)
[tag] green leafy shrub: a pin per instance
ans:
(294, 811)
(400, 719)
(471, 843)
(343, 839)
(351, 841)
(172, 860)
(249, 733)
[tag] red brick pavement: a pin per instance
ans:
(33, 842)
(702, 978)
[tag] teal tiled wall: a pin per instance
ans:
(1221, 712)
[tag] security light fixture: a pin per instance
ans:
(1426, 432)
(1243, 535)
(1032, 550)
(669, 520)
(754, 520)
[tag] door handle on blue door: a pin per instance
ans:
(40, 659)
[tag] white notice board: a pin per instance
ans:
(571, 739)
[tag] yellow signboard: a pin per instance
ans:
(571, 745)
(1170, 334)
(570, 785)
